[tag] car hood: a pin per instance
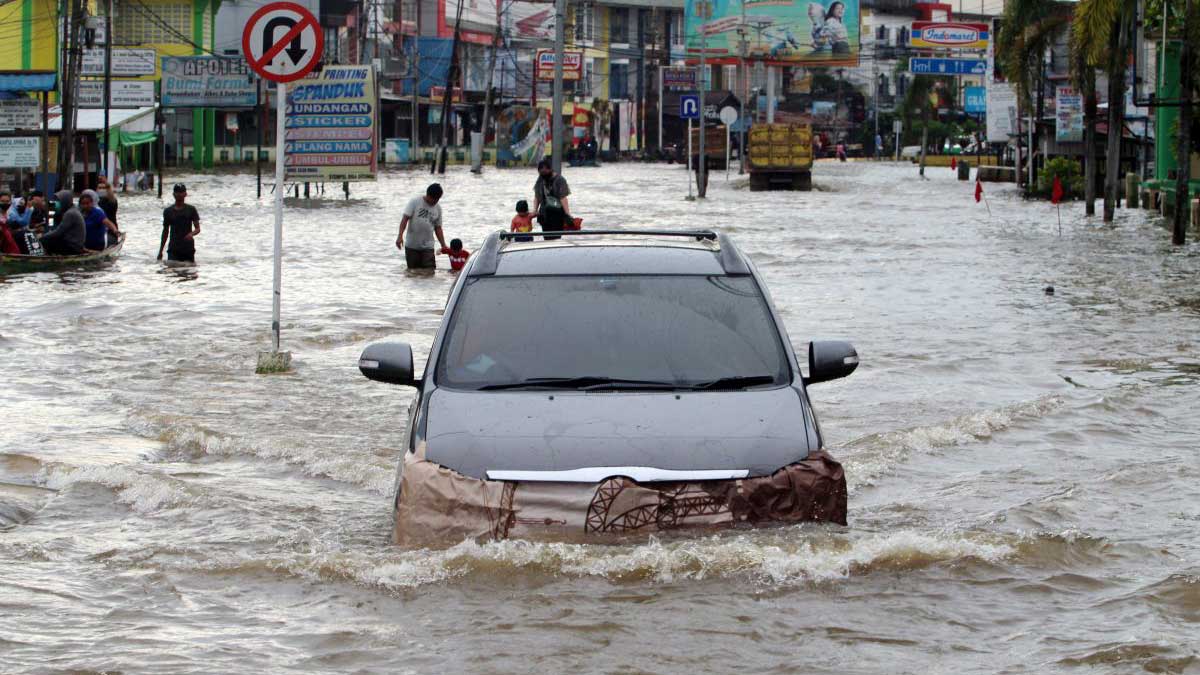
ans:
(754, 430)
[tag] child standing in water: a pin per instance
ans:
(523, 221)
(458, 255)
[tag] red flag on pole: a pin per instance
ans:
(978, 191)
(1056, 194)
(953, 163)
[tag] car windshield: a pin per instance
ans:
(624, 332)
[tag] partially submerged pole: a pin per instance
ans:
(1184, 170)
(276, 361)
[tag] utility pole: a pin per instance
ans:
(451, 73)
(108, 38)
(1184, 170)
(744, 79)
(487, 97)
(415, 68)
(705, 9)
(560, 20)
(72, 21)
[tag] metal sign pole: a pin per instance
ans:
(280, 108)
(689, 160)
(726, 153)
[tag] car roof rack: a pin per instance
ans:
(698, 235)
(487, 259)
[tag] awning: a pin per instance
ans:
(92, 119)
(28, 80)
(129, 139)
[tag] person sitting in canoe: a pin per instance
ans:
(69, 233)
(98, 226)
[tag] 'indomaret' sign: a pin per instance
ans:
(207, 82)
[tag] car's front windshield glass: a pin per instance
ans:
(682, 331)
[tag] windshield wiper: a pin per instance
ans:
(582, 383)
(736, 382)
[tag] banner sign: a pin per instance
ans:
(20, 153)
(572, 65)
(124, 94)
(528, 20)
(20, 113)
(935, 34)
(928, 66)
(125, 62)
(206, 82)
(781, 32)
(1001, 112)
(1068, 106)
(679, 79)
(330, 126)
(976, 100)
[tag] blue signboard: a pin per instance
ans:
(925, 66)
(689, 107)
(976, 102)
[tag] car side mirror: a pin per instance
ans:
(390, 362)
(830, 360)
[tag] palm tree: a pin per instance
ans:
(1028, 30)
(1100, 36)
(1084, 77)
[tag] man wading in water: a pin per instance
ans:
(550, 199)
(423, 223)
(181, 222)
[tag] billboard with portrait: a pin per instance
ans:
(782, 32)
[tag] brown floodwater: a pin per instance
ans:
(1024, 468)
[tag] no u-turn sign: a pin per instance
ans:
(282, 42)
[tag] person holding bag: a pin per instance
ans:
(550, 194)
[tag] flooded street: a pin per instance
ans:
(1024, 468)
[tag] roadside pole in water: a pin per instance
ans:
(689, 160)
(726, 153)
(281, 96)
(276, 361)
(263, 45)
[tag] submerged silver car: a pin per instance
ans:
(594, 383)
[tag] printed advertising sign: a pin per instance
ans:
(976, 100)
(679, 79)
(782, 32)
(1068, 106)
(124, 94)
(528, 20)
(928, 66)
(125, 62)
(206, 82)
(330, 126)
(572, 65)
(935, 34)
(1001, 112)
(20, 153)
(20, 113)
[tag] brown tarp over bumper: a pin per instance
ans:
(440, 507)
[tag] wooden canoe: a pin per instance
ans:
(24, 264)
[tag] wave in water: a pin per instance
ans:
(781, 559)
(871, 457)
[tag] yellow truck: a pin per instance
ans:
(780, 157)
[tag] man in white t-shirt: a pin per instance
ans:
(423, 223)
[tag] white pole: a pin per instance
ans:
(689, 159)
(726, 153)
(280, 108)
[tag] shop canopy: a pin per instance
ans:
(27, 80)
(127, 126)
